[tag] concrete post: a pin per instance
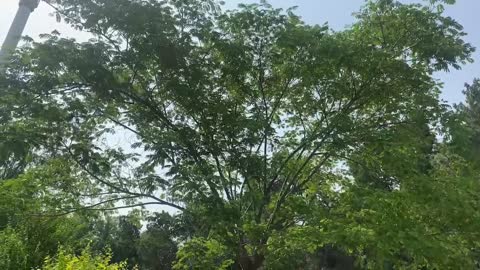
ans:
(25, 7)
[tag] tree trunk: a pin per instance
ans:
(250, 262)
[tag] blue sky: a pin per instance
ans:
(336, 12)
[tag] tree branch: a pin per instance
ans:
(114, 187)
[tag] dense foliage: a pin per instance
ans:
(273, 143)
(67, 261)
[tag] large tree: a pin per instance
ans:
(272, 139)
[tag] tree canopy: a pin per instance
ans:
(275, 144)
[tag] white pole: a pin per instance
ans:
(25, 7)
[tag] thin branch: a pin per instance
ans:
(222, 176)
(94, 209)
(112, 186)
(86, 207)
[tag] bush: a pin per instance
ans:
(13, 254)
(65, 260)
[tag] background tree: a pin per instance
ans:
(464, 125)
(157, 247)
